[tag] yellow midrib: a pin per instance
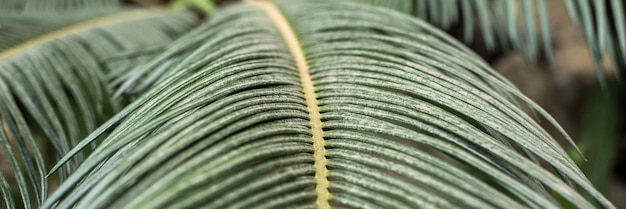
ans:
(79, 27)
(319, 152)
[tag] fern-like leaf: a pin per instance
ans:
(304, 104)
(516, 24)
(604, 26)
(53, 84)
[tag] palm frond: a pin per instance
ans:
(19, 6)
(604, 27)
(18, 28)
(516, 24)
(603, 23)
(323, 103)
(53, 89)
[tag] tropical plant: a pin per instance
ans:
(274, 104)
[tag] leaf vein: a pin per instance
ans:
(319, 151)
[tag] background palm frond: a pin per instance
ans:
(18, 6)
(519, 24)
(54, 90)
(604, 27)
(505, 24)
(16, 28)
(411, 118)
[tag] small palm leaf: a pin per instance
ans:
(324, 103)
(53, 88)
(18, 28)
(19, 6)
(603, 23)
(503, 23)
(604, 26)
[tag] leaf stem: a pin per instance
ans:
(319, 151)
(79, 27)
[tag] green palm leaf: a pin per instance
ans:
(323, 103)
(54, 90)
(18, 28)
(516, 24)
(604, 28)
(19, 6)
